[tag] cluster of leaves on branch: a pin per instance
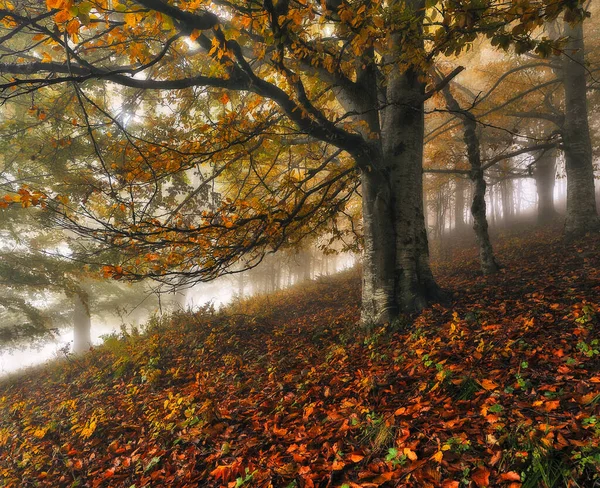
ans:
(200, 131)
(501, 389)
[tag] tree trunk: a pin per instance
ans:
(402, 145)
(379, 304)
(478, 207)
(505, 201)
(582, 215)
(544, 173)
(396, 274)
(82, 323)
(459, 205)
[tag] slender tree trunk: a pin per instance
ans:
(82, 323)
(582, 215)
(505, 201)
(478, 207)
(425, 210)
(459, 205)
(544, 173)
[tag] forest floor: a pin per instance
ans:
(499, 388)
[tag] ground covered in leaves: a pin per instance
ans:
(499, 388)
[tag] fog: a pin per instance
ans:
(217, 293)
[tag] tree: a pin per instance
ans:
(544, 174)
(478, 208)
(350, 76)
(582, 214)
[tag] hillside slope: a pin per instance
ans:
(499, 388)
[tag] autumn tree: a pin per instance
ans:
(350, 77)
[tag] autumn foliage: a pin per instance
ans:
(499, 388)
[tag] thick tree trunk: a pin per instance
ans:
(82, 323)
(478, 207)
(402, 145)
(396, 273)
(582, 215)
(544, 174)
(379, 303)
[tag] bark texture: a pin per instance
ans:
(582, 215)
(396, 273)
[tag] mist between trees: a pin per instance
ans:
(171, 144)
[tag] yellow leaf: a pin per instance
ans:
(46, 58)
(410, 454)
(438, 456)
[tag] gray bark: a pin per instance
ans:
(396, 273)
(82, 323)
(379, 303)
(478, 208)
(582, 215)
(403, 132)
(544, 174)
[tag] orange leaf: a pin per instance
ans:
(221, 472)
(450, 484)
(73, 26)
(410, 454)
(481, 477)
(488, 385)
(510, 476)
(62, 16)
(52, 4)
(355, 457)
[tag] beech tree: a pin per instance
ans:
(582, 214)
(350, 76)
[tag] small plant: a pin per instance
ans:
(395, 457)
(377, 431)
(247, 478)
(588, 315)
(590, 350)
(458, 444)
